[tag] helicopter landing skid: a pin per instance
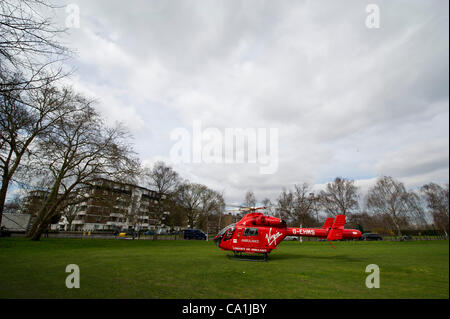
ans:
(248, 257)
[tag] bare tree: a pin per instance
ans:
(177, 216)
(14, 205)
(198, 202)
(70, 213)
(211, 202)
(164, 179)
(250, 199)
(76, 152)
(29, 52)
(29, 48)
(22, 121)
(269, 206)
(389, 197)
(339, 197)
(437, 199)
(297, 206)
(189, 197)
(416, 210)
(304, 203)
(286, 206)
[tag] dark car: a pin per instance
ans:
(194, 234)
(371, 236)
(130, 232)
(406, 237)
(4, 232)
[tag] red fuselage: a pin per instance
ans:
(256, 233)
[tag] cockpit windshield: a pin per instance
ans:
(223, 231)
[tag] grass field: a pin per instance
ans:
(198, 269)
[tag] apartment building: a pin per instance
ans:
(109, 205)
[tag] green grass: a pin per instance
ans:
(198, 269)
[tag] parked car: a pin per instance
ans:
(4, 232)
(126, 232)
(194, 234)
(406, 237)
(149, 232)
(131, 232)
(290, 238)
(371, 236)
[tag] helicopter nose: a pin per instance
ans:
(356, 234)
(217, 240)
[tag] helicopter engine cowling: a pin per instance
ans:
(261, 220)
(271, 221)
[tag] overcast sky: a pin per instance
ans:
(347, 100)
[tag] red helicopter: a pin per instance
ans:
(256, 233)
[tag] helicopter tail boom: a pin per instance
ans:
(333, 229)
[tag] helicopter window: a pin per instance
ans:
(225, 229)
(251, 232)
(229, 233)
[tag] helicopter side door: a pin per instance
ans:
(239, 230)
(250, 237)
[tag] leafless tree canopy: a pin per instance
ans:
(389, 197)
(29, 100)
(212, 203)
(250, 199)
(79, 150)
(437, 200)
(14, 205)
(297, 206)
(26, 116)
(339, 197)
(198, 200)
(270, 208)
(29, 48)
(189, 196)
(164, 179)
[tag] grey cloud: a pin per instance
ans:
(415, 159)
(345, 98)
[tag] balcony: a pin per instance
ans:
(116, 215)
(119, 224)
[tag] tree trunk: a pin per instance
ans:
(43, 218)
(399, 233)
(3, 191)
(37, 230)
